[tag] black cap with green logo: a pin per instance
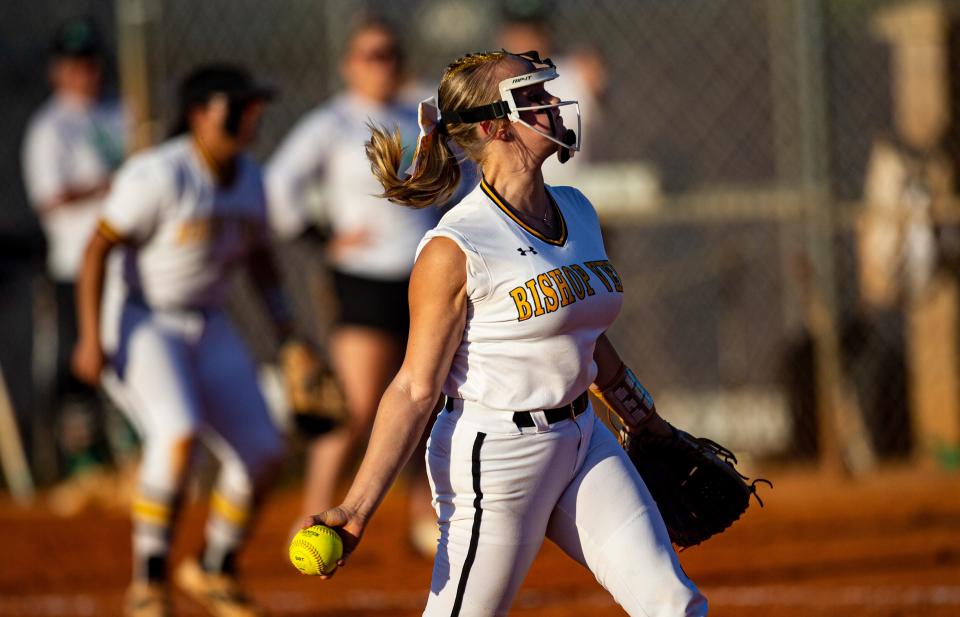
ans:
(77, 38)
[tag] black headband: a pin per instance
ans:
(500, 109)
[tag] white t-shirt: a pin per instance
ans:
(67, 146)
(183, 232)
(327, 146)
(536, 304)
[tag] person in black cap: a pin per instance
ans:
(71, 148)
(184, 214)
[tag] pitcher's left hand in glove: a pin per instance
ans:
(312, 390)
(698, 490)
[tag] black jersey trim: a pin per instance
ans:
(475, 533)
(511, 212)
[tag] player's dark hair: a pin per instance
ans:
(468, 82)
(209, 80)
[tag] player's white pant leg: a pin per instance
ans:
(154, 365)
(607, 520)
(241, 434)
(494, 489)
(156, 371)
(233, 505)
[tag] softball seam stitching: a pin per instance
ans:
(315, 553)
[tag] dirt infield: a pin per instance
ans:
(887, 545)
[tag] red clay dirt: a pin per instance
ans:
(887, 545)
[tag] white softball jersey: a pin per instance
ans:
(536, 304)
(68, 146)
(327, 146)
(183, 232)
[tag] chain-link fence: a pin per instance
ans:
(763, 170)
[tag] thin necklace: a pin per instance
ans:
(547, 211)
(546, 218)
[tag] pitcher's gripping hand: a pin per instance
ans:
(346, 523)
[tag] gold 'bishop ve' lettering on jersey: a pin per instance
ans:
(204, 229)
(549, 291)
(607, 275)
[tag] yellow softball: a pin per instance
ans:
(316, 550)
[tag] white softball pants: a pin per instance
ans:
(499, 490)
(187, 376)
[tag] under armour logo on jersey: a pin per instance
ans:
(529, 249)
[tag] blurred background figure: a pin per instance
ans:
(908, 241)
(72, 146)
(370, 250)
(184, 214)
(582, 76)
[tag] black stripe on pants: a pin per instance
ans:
(475, 534)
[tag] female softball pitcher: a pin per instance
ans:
(509, 299)
(184, 213)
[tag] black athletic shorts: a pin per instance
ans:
(372, 303)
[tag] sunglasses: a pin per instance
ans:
(379, 55)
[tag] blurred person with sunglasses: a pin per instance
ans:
(370, 251)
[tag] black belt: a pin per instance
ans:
(137, 299)
(523, 419)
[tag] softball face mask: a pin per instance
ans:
(431, 118)
(569, 140)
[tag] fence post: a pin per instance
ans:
(134, 20)
(844, 445)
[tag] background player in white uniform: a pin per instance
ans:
(371, 251)
(183, 214)
(510, 296)
(72, 146)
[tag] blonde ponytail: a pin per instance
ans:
(467, 82)
(434, 179)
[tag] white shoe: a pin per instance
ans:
(147, 600)
(220, 594)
